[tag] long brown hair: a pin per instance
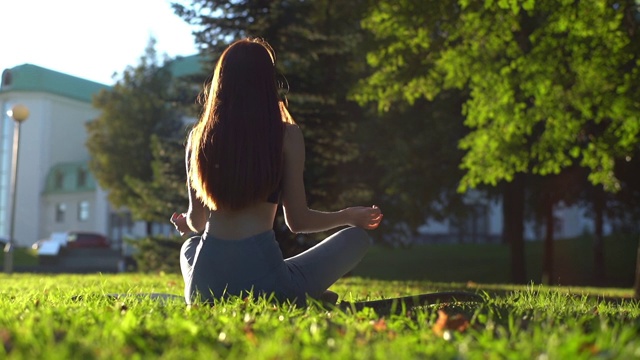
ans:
(235, 150)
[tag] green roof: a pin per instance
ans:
(28, 77)
(187, 65)
(33, 78)
(73, 177)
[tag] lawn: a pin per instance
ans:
(22, 256)
(489, 263)
(481, 263)
(41, 319)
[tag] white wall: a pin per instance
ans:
(71, 221)
(68, 133)
(496, 221)
(573, 221)
(30, 167)
(53, 133)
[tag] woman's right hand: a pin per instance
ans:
(365, 217)
(180, 222)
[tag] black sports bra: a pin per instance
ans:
(274, 198)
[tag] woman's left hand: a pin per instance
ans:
(365, 217)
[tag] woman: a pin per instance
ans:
(243, 157)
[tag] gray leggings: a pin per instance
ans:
(214, 268)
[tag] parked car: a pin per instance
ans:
(86, 240)
(36, 245)
(70, 239)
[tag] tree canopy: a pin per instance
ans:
(318, 61)
(138, 112)
(551, 84)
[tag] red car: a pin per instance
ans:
(87, 240)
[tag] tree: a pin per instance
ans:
(545, 193)
(138, 118)
(551, 85)
(318, 52)
(411, 159)
(636, 286)
(166, 191)
(626, 203)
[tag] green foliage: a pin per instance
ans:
(166, 192)
(319, 53)
(412, 160)
(317, 48)
(140, 107)
(157, 253)
(551, 84)
(40, 319)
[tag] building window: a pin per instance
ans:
(61, 208)
(558, 225)
(58, 180)
(473, 226)
(7, 78)
(82, 178)
(83, 210)
(6, 143)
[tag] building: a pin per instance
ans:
(485, 224)
(55, 189)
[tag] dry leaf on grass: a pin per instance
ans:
(589, 348)
(446, 323)
(379, 325)
(251, 336)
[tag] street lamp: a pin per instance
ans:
(19, 113)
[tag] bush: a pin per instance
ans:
(158, 253)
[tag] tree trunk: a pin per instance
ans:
(513, 228)
(547, 262)
(598, 243)
(637, 285)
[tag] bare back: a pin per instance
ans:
(258, 218)
(241, 224)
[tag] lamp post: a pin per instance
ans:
(19, 113)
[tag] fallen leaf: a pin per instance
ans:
(445, 322)
(589, 348)
(379, 325)
(7, 340)
(251, 336)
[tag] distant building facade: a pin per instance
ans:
(485, 224)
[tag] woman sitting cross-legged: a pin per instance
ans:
(244, 156)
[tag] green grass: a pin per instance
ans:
(22, 256)
(490, 263)
(40, 320)
(483, 263)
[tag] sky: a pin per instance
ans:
(91, 39)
